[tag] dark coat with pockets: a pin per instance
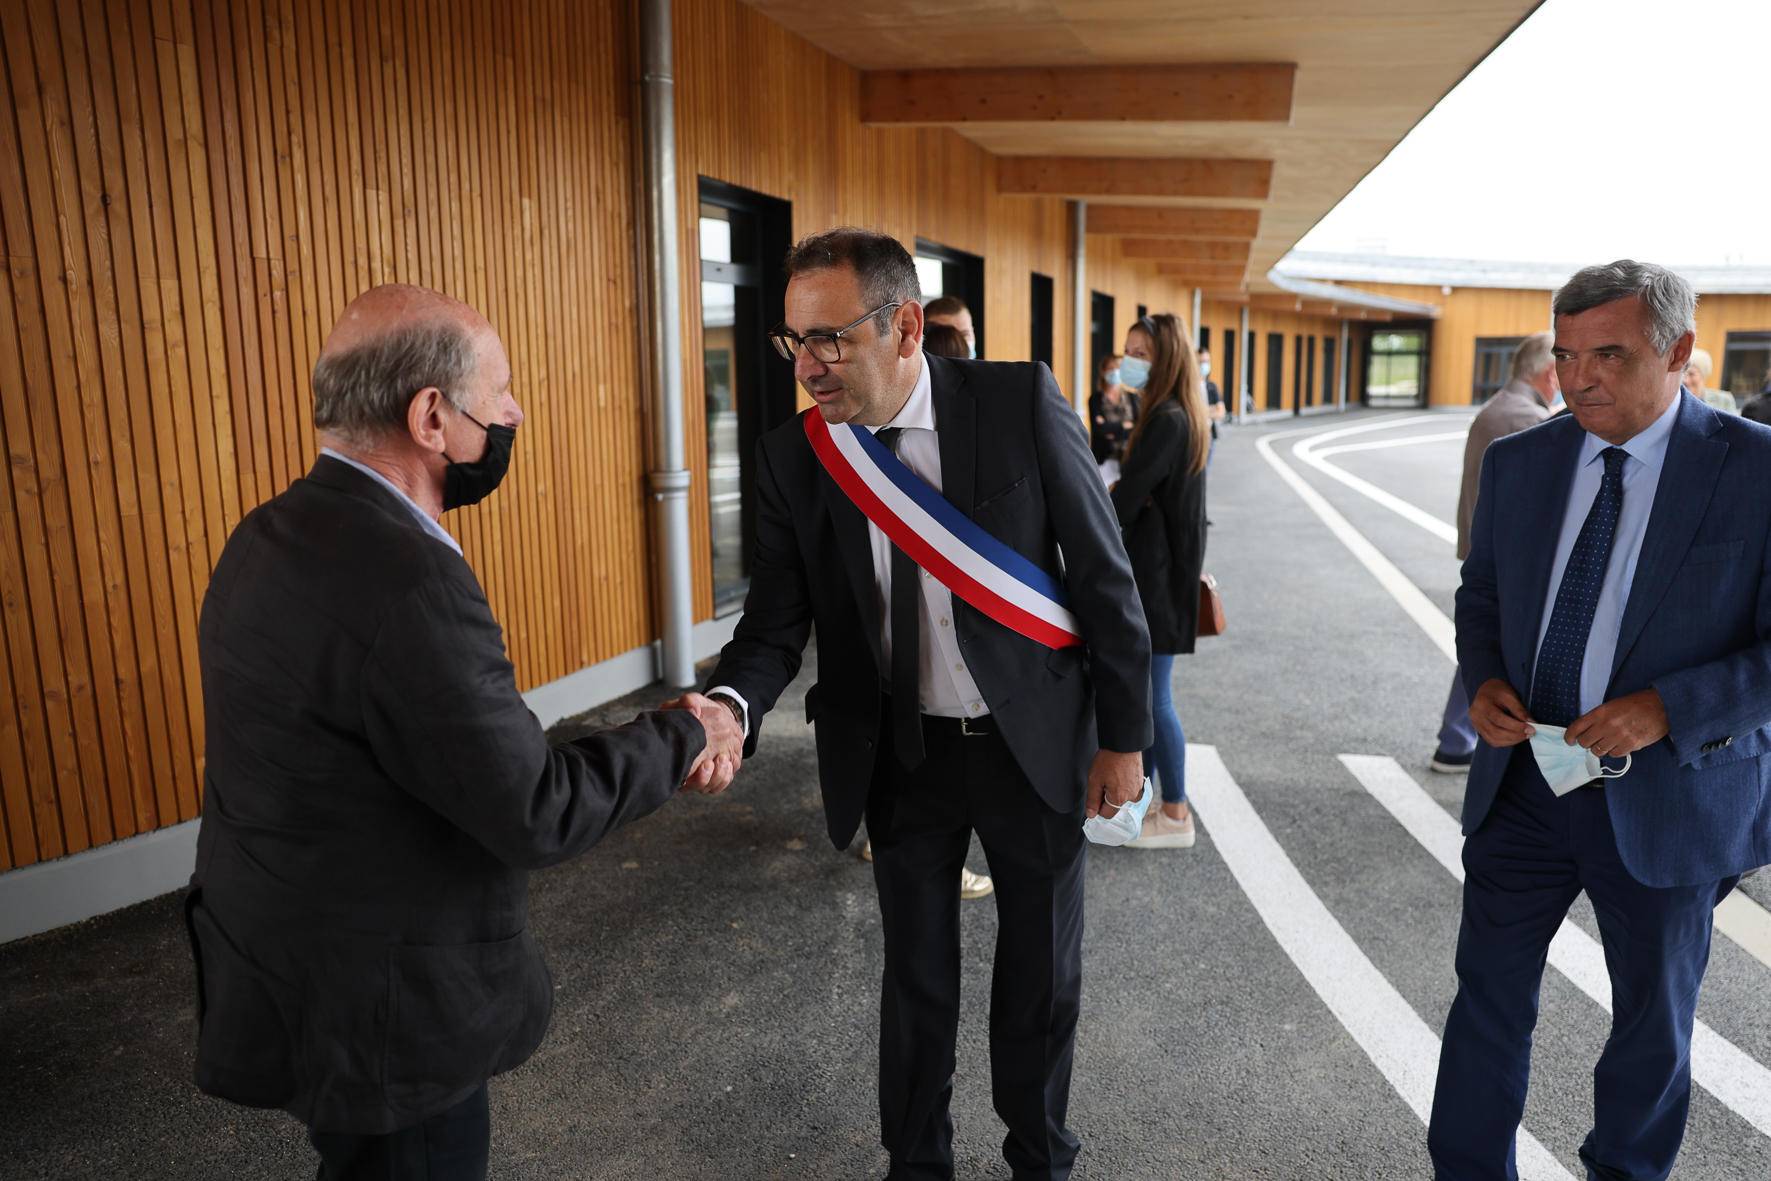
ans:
(374, 796)
(1015, 459)
(1164, 538)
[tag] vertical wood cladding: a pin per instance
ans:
(192, 190)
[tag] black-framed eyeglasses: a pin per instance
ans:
(825, 346)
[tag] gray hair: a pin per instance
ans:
(1670, 302)
(885, 269)
(361, 394)
(1535, 354)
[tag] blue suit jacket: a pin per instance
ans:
(1694, 806)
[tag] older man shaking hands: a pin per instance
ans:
(376, 791)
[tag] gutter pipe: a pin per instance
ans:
(669, 476)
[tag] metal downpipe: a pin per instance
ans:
(669, 475)
(1081, 380)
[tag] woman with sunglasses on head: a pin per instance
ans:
(1160, 500)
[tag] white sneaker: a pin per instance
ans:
(974, 885)
(1162, 832)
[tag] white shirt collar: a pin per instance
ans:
(425, 519)
(919, 412)
(1648, 445)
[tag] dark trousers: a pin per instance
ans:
(1525, 865)
(921, 824)
(450, 1146)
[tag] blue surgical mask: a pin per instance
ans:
(1205, 368)
(1134, 372)
(1567, 767)
(1124, 824)
(1111, 377)
(971, 349)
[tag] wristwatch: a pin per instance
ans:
(730, 703)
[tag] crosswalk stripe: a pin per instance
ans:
(1377, 1017)
(1717, 1065)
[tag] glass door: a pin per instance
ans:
(1396, 369)
(730, 298)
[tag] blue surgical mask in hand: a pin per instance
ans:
(1567, 767)
(1124, 824)
(1133, 373)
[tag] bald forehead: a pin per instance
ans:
(395, 306)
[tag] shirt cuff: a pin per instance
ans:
(743, 705)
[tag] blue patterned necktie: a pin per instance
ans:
(1555, 686)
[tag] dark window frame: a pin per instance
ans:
(962, 275)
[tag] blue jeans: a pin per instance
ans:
(1167, 757)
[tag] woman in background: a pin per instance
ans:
(1160, 501)
(1112, 412)
(944, 340)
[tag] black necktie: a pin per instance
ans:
(1555, 685)
(906, 643)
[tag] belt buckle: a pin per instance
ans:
(965, 727)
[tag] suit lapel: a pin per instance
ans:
(957, 427)
(1687, 482)
(856, 551)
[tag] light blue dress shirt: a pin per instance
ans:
(1641, 478)
(425, 519)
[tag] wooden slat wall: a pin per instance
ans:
(190, 192)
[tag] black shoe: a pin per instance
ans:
(1451, 764)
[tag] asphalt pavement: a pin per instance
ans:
(717, 965)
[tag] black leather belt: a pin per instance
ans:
(977, 727)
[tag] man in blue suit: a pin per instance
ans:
(1618, 585)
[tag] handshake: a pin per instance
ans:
(719, 761)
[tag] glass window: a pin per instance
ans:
(930, 274)
(1397, 371)
(1746, 364)
(1494, 361)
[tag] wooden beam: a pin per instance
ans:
(1132, 176)
(1276, 301)
(1217, 93)
(1321, 307)
(1194, 249)
(1145, 221)
(1209, 273)
(1220, 296)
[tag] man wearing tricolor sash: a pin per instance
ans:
(983, 667)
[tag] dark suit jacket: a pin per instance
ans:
(1165, 539)
(1695, 806)
(1013, 458)
(374, 795)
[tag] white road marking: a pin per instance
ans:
(1748, 924)
(1379, 1019)
(1717, 1065)
(1304, 449)
(1419, 608)
(1381, 444)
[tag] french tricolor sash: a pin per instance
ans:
(942, 540)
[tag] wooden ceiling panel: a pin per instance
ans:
(1204, 273)
(1366, 72)
(1152, 222)
(1094, 176)
(1185, 249)
(1215, 93)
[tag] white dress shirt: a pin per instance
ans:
(947, 689)
(1641, 478)
(425, 519)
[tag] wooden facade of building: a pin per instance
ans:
(191, 190)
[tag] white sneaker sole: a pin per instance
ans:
(1449, 768)
(1172, 840)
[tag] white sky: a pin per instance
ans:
(1600, 129)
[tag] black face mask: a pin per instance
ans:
(470, 483)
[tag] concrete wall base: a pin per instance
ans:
(97, 881)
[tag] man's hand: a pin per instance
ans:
(724, 752)
(1499, 716)
(1622, 726)
(1117, 777)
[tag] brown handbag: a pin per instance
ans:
(1211, 607)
